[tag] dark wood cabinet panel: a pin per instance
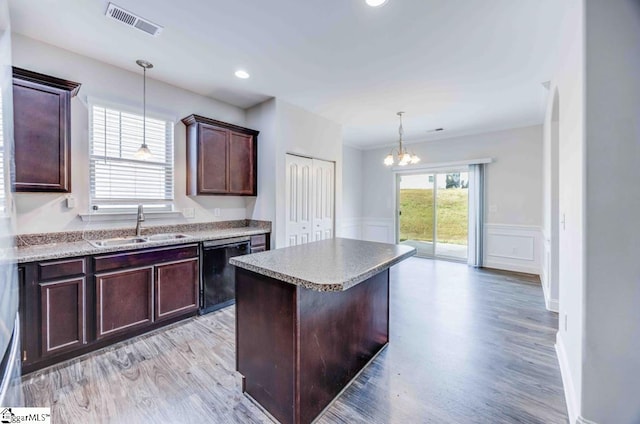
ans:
(62, 315)
(57, 269)
(259, 243)
(221, 158)
(42, 123)
(144, 257)
(176, 288)
(241, 157)
(213, 148)
(124, 301)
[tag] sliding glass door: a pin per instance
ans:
(416, 213)
(433, 213)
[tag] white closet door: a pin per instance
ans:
(323, 199)
(299, 200)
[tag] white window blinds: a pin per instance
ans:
(117, 179)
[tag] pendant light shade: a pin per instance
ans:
(400, 155)
(144, 153)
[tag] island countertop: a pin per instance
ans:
(328, 265)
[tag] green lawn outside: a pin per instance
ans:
(416, 222)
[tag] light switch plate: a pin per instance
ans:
(71, 202)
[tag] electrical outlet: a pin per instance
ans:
(493, 208)
(189, 212)
(216, 212)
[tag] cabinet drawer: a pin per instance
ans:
(259, 240)
(57, 269)
(144, 257)
(258, 249)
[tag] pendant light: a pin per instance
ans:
(401, 154)
(143, 152)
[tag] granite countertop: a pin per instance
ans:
(327, 265)
(57, 248)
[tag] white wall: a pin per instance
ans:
(569, 83)
(264, 117)
(611, 349)
(352, 193)
(295, 131)
(513, 192)
(42, 212)
(550, 202)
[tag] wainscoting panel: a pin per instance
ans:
(350, 228)
(378, 229)
(513, 248)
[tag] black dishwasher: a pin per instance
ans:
(218, 276)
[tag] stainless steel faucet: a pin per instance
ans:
(139, 220)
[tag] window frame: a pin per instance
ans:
(128, 205)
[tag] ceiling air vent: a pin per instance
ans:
(121, 15)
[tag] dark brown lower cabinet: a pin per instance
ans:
(73, 306)
(63, 315)
(176, 288)
(259, 243)
(124, 301)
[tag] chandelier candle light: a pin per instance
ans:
(143, 152)
(403, 156)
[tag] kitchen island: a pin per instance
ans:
(309, 318)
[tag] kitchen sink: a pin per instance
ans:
(163, 237)
(129, 241)
(119, 241)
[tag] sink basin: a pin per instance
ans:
(163, 237)
(120, 241)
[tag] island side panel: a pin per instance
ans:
(265, 341)
(338, 333)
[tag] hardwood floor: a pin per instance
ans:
(467, 346)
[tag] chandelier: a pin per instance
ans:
(401, 155)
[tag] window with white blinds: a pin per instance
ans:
(117, 179)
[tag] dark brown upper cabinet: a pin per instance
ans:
(222, 158)
(42, 131)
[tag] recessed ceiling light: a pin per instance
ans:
(242, 74)
(375, 3)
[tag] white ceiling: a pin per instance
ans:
(469, 66)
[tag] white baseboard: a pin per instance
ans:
(513, 247)
(508, 266)
(551, 304)
(567, 382)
